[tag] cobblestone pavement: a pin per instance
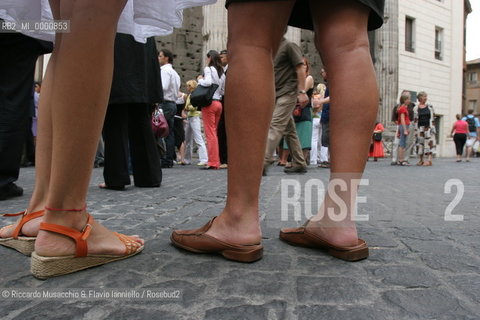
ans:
(420, 266)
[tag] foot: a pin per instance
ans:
(100, 241)
(10, 190)
(295, 169)
(234, 231)
(105, 186)
(29, 229)
(342, 234)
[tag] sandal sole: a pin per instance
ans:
(48, 267)
(24, 245)
(234, 255)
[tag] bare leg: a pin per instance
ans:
(284, 157)
(43, 146)
(80, 80)
(341, 38)
(255, 31)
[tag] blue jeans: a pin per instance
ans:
(403, 137)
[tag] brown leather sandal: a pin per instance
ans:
(303, 238)
(197, 241)
(17, 241)
(47, 267)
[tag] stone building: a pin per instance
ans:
(472, 87)
(420, 48)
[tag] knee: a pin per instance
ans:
(340, 40)
(106, 11)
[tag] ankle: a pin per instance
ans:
(75, 220)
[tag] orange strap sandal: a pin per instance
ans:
(47, 267)
(17, 241)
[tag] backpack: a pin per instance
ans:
(471, 124)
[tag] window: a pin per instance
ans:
(472, 105)
(472, 77)
(409, 34)
(438, 43)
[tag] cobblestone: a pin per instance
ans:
(420, 266)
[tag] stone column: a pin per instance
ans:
(214, 27)
(386, 61)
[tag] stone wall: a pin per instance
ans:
(186, 44)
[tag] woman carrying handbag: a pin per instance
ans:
(212, 74)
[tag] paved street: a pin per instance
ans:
(420, 266)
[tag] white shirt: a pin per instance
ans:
(210, 75)
(170, 82)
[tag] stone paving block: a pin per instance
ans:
(451, 262)
(370, 312)
(274, 310)
(407, 276)
(391, 256)
(53, 310)
(428, 303)
(315, 265)
(178, 268)
(132, 313)
(10, 307)
(254, 284)
(333, 290)
(469, 284)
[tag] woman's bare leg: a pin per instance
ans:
(341, 38)
(81, 80)
(255, 31)
(43, 145)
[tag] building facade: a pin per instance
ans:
(472, 95)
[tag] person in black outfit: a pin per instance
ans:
(127, 129)
(17, 64)
(221, 130)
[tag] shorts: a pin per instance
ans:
(403, 138)
(470, 141)
(302, 18)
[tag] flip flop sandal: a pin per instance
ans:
(21, 243)
(197, 241)
(304, 238)
(47, 267)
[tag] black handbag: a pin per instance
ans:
(202, 96)
(377, 136)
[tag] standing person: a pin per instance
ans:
(376, 148)
(459, 133)
(424, 120)
(179, 128)
(325, 120)
(403, 123)
(127, 129)
(290, 80)
(67, 239)
(36, 100)
(473, 132)
(303, 122)
(221, 131)
(255, 31)
(411, 135)
(171, 87)
(17, 64)
(193, 130)
(213, 74)
(318, 154)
